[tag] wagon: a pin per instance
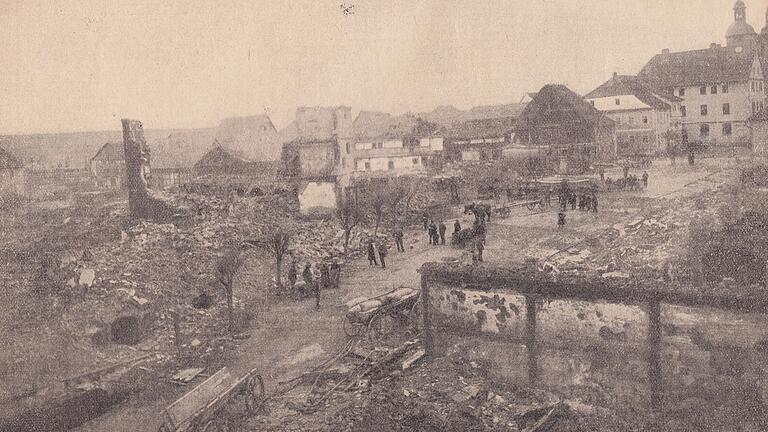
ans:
(372, 316)
(203, 408)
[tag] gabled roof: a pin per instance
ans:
(111, 152)
(699, 67)
(255, 137)
(622, 85)
(8, 160)
(556, 103)
(448, 115)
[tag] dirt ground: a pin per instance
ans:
(286, 338)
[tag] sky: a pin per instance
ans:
(81, 65)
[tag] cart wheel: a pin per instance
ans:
(352, 330)
(254, 393)
(541, 205)
(531, 206)
(380, 326)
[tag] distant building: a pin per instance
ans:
(389, 145)
(254, 137)
(643, 116)
(12, 178)
(567, 128)
(223, 161)
(107, 167)
(483, 138)
(318, 123)
(720, 87)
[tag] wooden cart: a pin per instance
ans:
(203, 408)
(360, 322)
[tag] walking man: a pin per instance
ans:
(433, 233)
(371, 254)
(645, 179)
(399, 240)
(383, 253)
(442, 229)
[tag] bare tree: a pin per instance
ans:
(276, 243)
(349, 215)
(226, 271)
(379, 202)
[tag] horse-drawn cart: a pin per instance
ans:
(371, 317)
(203, 408)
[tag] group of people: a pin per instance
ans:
(377, 252)
(436, 233)
(322, 275)
(584, 201)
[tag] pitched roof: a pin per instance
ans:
(372, 125)
(448, 115)
(110, 151)
(254, 137)
(621, 85)
(8, 160)
(708, 66)
(557, 103)
(483, 128)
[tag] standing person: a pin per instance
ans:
(399, 240)
(456, 227)
(325, 275)
(573, 200)
(292, 274)
(383, 253)
(319, 268)
(645, 179)
(594, 202)
(425, 219)
(433, 233)
(442, 229)
(480, 231)
(371, 254)
(335, 273)
(602, 173)
(561, 220)
(480, 247)
(307, 276)
(548, 197)
(626, 171)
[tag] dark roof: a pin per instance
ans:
(8, 160)
(373, 125)
(227, 161)
(556, 103)
(631, 85)
(448, 115)
(483, 128)
(110, 152)
(708, 66)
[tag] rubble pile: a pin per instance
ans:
(455, 392)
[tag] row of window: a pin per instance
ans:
(704, 129)
(703, 89)
(704, 110)
(756, 106)
(390, 164)
(756, 86)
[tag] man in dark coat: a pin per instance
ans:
(335, 273)
(594, 203)
(425, 219)
(480, 247)
(433, 234)
(383, 253)
(399, 240)
(308, 279)
(371, 254)
(645, 179)
(325, 275)
(456, 227)
(442, 229)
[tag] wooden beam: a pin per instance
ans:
(530, 339)
(429, 346)
(654, 354)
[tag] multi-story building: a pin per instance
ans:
(382, 144)
(720, 87)
(643, 116)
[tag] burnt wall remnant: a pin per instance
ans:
(141, 203)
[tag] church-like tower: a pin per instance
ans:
(740, 33)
